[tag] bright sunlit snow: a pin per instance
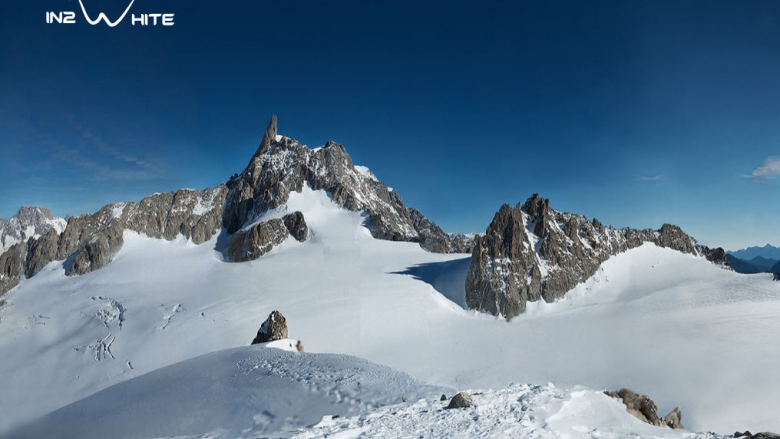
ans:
(657, 321)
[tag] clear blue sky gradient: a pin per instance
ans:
(634, 112)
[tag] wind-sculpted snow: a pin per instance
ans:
(242, 392)
(533, 252)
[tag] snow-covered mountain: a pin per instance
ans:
(533, 252)
(659, 321)
(252, 206)
(154, 343)
(29, 222)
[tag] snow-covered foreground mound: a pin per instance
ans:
(251, 392)
(669, 325)
(245, 391)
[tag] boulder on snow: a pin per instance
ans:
(644, 409)
(274, 328)
(776, 276)
(443, 397)
(460, 400)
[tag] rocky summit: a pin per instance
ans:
(29, 222)
(282, 165)
(533, 252)
(33, 238)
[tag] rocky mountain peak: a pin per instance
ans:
(510, 225)
(33, 215)
(538, 208)
(269, 138)
(535, 252)
(29, 222)
(283, 166)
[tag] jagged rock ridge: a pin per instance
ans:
(533, 252)
(93, 240)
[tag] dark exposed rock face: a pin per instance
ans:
(716, 255)
(273, 328)
(284, 165)
(432, 237)
(40, 252)
(533, 252)
(99, 251)
(296, 225)
(644, 409)
(12, 266)
(460, 400)
(257, 241)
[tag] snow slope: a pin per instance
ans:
(251, 390)
(520, 411)
(659, 322)
(255, 391)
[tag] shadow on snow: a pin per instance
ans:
(448, 277)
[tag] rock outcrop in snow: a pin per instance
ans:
(259, 239)
(460, 400)
(273, 328)
(533, 252)
(644, 409)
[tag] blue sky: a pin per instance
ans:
(634, 112)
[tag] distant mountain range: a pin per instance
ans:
(767, 251)
(755, 265)
(752, 260)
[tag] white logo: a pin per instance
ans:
(69, 17)
(102, 16)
